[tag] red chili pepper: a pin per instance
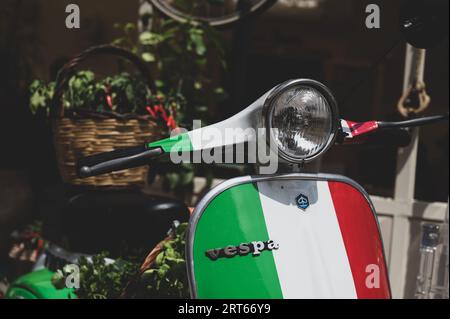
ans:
(40, 244)
(109, 101)
(151, 112)
(163, 112)
(108, 96)
(171, 122)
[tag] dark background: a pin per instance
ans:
(331, 45)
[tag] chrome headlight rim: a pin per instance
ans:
(269, 107)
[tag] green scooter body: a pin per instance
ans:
(37, 285)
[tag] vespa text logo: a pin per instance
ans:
(255, 248)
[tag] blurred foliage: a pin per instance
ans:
(167, 277)
(122, 93)
(101, 278)
(182, 56)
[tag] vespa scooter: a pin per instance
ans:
(287, 235)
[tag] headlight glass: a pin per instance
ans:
(303, 120)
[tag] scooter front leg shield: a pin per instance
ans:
(289, 236)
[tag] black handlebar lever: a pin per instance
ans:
(116, 160)
(375, 131)
(413, 122)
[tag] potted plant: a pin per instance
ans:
(91, 115)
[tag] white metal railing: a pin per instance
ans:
(403, 207)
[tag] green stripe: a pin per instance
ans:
(234, 217)
(179, 143)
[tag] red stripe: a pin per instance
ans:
(362, 240)
(362, 128)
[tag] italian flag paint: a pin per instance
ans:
(328, 250)
(178, 143)
(218, 135)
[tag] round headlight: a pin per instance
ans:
(302, 118)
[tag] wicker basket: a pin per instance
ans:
(79, 133)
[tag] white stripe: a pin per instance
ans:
(311, 260)
(346, 129)
(230, 131)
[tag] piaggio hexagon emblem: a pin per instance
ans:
(302, 201)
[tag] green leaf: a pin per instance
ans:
(37, 99)
(172, 179)
(159, 83)
(129, 27)
(197, 39)
(150, 38)
(148, 57)
(201, 109)
(159, 259)
(219, 90)
(198, 85)
(187, 178)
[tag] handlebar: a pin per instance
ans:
(388, 133)
(358, 132)
(116, 160)
(413, 122)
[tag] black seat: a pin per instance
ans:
(118, 221)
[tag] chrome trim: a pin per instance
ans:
(214, 192)
(55, 251)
